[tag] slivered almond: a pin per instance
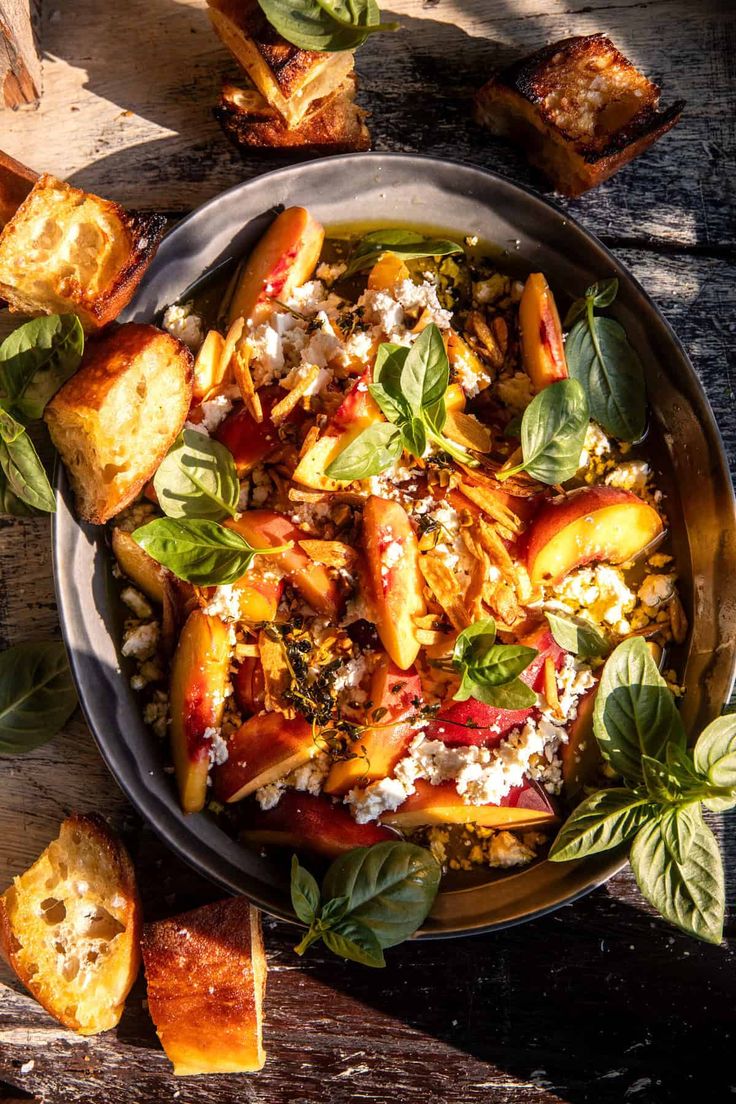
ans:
(550, 688)
(444, 586)
(283, 408)
(330, 553)
(309, 440)
(466, 430)
(351, 497)
(241, 358)
(231, 339)
(497, 550)
(430, 637)
(490, 503)
(488, 339)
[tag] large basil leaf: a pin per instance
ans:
(21, 466)
(635, 713)
(36, 359)
(680, 826)
(391, 887)
(200, 551)
(426, 371)
(500, 663)
(374, 450)
(509, 695)
(407, 244)
(715, 756)
(474, 641)
(37, 695)
(600, 357)
(553, 430)
(325, 25)
(305, 895)
(604, 820)
(577, 636)
(10, 503)
(197, 479)
(688, 893)
(351, 939)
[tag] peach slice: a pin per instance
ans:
(249, 685)
(581, 755)
(266, 747)
(258, 592)
(250, 441)
(377, 750)
(542, 348)
(595, 523)
(355, 413)
(387, 272)
(303, 821)
(523, 807)
(267, 529)
(199, 676)
(395, 583)
(138, 566)
(283, 259)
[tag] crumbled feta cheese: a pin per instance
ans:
(329, 273)
(224, 603)
(420, 297)
(351, 674)
(308, 778)
(383, 310)
(602, 591)
(656, 589)
(181, 322)
(136, 602)
(156, 713)
(217, 751)
(309, 298)
(141, 641)
(391, 556)
(269, 796)
(215, 411)
(632, 475)
(380, 797)
(266, 345)
(596, 443)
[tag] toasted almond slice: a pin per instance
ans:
(444, 586)
(485, 335)
(283, 408)
(330, 553)
(489, 501)
(430, 637)
(208, 366)
(497, 550)
(276, 674)
(466, 430)
(478, 576)
(354, 498)
(247, 651)
(309, 440)
(241, 358)
(550, 688)
(231, 339)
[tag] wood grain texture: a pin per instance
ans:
(20, 65)
(601, 1002)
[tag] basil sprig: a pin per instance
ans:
(577, 635)
(552, 432)
(371, 898)
(600, 357)
(409, 386)
(674, 854)
(37, 695)
(407, 244)
(197, 479)
(325, 25)
(200, 551)
(489, 671)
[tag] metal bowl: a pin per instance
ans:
(394, 188)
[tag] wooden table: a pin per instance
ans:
(598, 1002)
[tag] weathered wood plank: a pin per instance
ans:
(20, 65)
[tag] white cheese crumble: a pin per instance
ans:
(596, 444)
(631, 475)
(141, 641)
(136, 602)
(215, 411)
(181, 322)
(656, 589)
(217, 750)
(602, 591)
(308, 778)
(224, 603)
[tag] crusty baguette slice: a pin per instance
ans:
(289, 79)
(67, 250)
(334, 125)
(579, 108)
(16, 181)
(206, 976)
(70, 926)
(117, 417)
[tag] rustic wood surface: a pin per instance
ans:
(599, 1002)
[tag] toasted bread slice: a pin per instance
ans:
(206, 975)
(579, 108)
(70, 926)
(289, 79)
(16, 181)
(117, 417)
(65, 250)
(334, 125)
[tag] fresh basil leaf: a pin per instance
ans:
(499, 664)
(375, 449)
(352, 940)
(680, 827)
(197, 479)
(578, 308)
(36, 359)
(635, 713)
(22, 468)
(391, 887)
(200, 551)
(600, 822)
(10, 503)
(407, 244)
(600, 357)
(393, 409)
(603, 292)
(577, 636)
(690, 894)
(37, 695)
(510, 695)
(325, 25)
(426, 371)
(305, 896)
(389, 362)
(333, 911)
(513, 428)
(715, 756)
(414, 437)
(553, 430)
(662, 783)
(435, 418)
(474, 641)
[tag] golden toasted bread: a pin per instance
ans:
(289, 79)
(16, 181)
(117, 417)
(67, 250)
(206, 976)
(334, 125)
(70, 926)
(579, 108)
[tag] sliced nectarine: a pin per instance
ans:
(376, 751)
(595, 523)
(523, 807)
(265, 748)
(267, 529)
(249, 685)
(209, 367)
(199, 676)
(387, 272)
(355, 413)
(138, 566)
(394, 579)
(283, 259)
(542, 347)
(303, 821)
(250, 441)
(581, 755)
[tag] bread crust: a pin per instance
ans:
(117, 417)
(580, 109)
(16, 181)
(88, 254)
(206, 977)
(86, 869)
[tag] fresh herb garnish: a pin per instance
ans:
(407, 244)
(577, 636)
(600, 357)
(553, 431)
(409, 386)
(200, 551)
(37, 695)
(372, 898)
(674, 855)
(325, 25)
(489, 672)
(197, 479)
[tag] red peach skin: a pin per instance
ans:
(304, 822)
(523, 807)
(250, 441)
(394, 580)
(265, 748)
(542, 347)
(581, 756)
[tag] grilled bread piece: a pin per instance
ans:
(334, 125)
(67, 250)
(579, 108)
(117, 417)
(206, 975)
(289, 79)
(16, 181)
(70, 926)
